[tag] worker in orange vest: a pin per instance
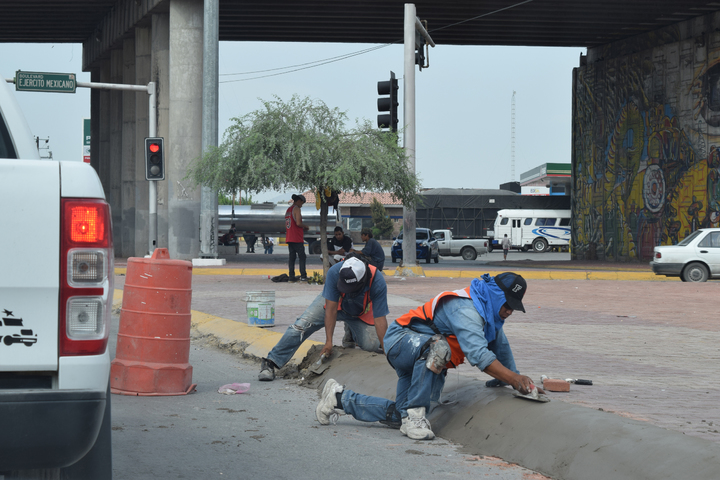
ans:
(422, 344)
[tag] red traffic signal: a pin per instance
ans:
(154, 159)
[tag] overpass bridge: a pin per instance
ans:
(138, 41)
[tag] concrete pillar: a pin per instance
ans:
(184, 143)
(143, 57)
(160, 74)
(128, 183)
(115, 117)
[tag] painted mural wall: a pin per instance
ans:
(646, 142)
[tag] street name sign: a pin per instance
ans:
(45, 82)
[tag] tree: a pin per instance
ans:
(383, 224)
(304, 144)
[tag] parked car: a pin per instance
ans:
(467, 248)
(695, 259)
(426, 246)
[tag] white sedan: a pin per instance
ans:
(695, 259)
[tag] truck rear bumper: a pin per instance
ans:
(48, 429)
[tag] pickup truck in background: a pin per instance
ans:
(467, 248)
(56, 289)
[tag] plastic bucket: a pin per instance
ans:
(261, 308)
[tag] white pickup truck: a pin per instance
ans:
(467, 248)
(56, 287)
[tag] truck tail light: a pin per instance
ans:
(658, 255)
(86, 283)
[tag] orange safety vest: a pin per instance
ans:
(425, 314)
(367, 315)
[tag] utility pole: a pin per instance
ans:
(412, 29)
(512, 138)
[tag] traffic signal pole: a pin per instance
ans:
(409, 256)
(151, 90)
(413, 29)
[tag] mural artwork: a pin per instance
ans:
(646, 148)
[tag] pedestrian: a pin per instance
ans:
(250, 240)
(338, 246)
(294, 236)
(269, 243)
(423, 343)
(355, 294)
(372, 250)
(505, 246)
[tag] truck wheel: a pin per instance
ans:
(394, 260)
(540, 245)
(695, 272)
(468, 253)
(315, 248)
(490, 248)
(427, 260)
(437, 259)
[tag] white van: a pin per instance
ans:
(540, 229)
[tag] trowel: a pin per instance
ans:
(320, 366)
(533, 395)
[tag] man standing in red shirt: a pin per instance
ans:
(294, 230)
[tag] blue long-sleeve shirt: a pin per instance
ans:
(458, 316)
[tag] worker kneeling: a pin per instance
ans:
(422, 344)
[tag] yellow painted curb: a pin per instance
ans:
(258, 342)
(418, 271)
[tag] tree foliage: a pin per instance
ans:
(305, 145)
(383, 225)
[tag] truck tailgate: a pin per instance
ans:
(29, 264)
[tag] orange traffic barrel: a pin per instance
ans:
(153, 344)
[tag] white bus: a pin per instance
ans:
(540, 230)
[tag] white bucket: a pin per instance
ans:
(261, 308)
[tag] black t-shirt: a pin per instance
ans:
(345, 244)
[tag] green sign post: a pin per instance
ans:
(45, 82)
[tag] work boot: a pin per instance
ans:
(327, 410)
(267, 371)
(416, 426)
(348, 341)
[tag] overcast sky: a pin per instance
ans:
(463, 101)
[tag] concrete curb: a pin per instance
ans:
(527, 273)
(558, 439)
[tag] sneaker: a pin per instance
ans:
(416, 426)
(303, 279)
(293, 279)
(327, 410)
(267, 371)
(348, 341)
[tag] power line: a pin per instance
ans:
(318, 63)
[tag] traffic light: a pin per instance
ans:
(154, 159)
(388, 104)
(419, 50)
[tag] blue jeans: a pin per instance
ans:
(296, 249)
(312, 320)
(417, 386)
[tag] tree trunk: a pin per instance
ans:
(323, 235)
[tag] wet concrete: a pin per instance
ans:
(557, 439)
